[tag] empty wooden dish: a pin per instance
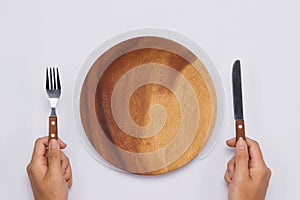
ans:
(148, 105)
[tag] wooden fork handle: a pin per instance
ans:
(240, 129)
(53, 133)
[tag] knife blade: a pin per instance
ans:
(238, 100)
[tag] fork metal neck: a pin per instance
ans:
(53, 102)
(53, 112)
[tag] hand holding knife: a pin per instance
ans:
(238, 100)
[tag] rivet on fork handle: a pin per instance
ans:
(53, 133)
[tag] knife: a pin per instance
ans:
(238, 100)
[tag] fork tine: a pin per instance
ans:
(58, 81)
(47, 79)
(54, 79)
(51, 79)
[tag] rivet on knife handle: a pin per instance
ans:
(240, 129)
(53, 133)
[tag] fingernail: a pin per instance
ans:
(241, 144)
(53, 144)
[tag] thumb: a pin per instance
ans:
(241, 158)
(54, 157)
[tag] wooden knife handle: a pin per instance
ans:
(240, 129)
(53, 133)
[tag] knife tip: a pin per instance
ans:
(236, 65)
(237, 62)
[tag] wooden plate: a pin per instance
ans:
(148, 105)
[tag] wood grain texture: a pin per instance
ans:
(174, 112)
(240, 129)
(53, 132)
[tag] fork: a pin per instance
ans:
(53, 90)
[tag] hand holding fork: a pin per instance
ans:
(49, 170)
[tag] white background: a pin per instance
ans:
(39, 33)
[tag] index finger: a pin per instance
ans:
(40, 147)
(231, 142)
(254, 151)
